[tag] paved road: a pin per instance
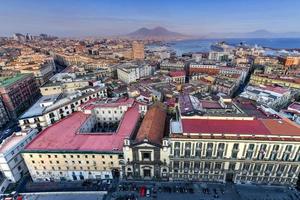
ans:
(173, 191)
(67, 196)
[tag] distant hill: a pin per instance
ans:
(254, 34)
(158, 33)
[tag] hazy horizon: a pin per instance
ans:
(66, 18)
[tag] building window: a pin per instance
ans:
(287, 152)
(209, 150)
(187, 152)
(177, 149)
(207, 166)
(196, 167)
(268, 169)
(292, 170)
(262, 152)
(280, 170)
(274, 152)
(186, 166)
(221, 147)
(198, 150)
(257, 169)
(250, 151)
(146, 156)
(231, 166)
(218, 166)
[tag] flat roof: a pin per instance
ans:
(224, 126)
(295, 106)
(258, 127)
(6, 81)
(64, 135)
(36, 109)
(11, 141)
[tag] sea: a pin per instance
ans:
(203, 45)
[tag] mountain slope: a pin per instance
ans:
(158, 33)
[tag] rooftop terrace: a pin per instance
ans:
(7, 81)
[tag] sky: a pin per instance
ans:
(118, 17)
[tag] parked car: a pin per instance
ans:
(148, 194)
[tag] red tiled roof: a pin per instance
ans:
(64, 135)
(295, 106)
(177, 73)
(210, 104)
(282, 127)
(224, 126)
(153, 125)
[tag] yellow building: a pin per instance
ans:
(88, 144)
(235, 150)
(268, 80)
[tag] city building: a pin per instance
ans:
(65, 82)
(172, 65)
(18, 93)
(3, 115)
(178, 76)
(41, 66)
(289, 61)
(146, 154)
(4, 183)
(11, 162)
(272, 96)
(235, 149)
(138, 50)
(88, 144)
(131, 72)
(262, 79)
(292, 112)
(56, 106)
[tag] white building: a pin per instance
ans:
(172, 66)
(130, 73)
(11, 161)
(51, 108)
(271, 96)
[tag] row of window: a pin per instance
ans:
(246, 168)
(70, 168)
(70, 156)
(73, 162)
(220, 149)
